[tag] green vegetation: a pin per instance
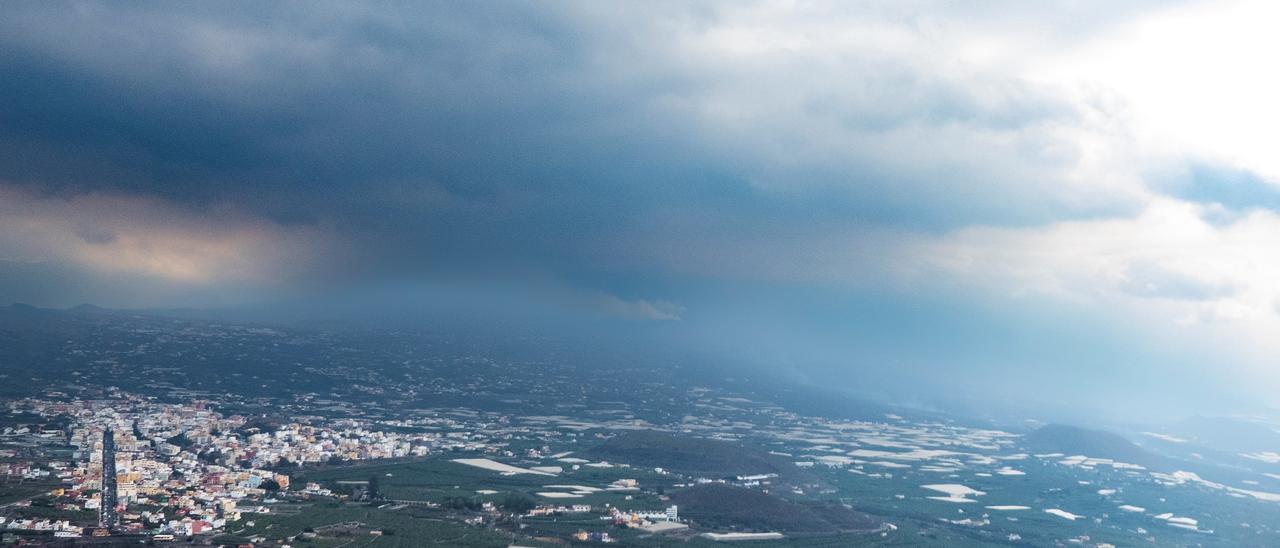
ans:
(12, 490)
(455, 485)
(181, 440)
(718, 505)
(352, 524)
(46, 508)
(517, 503)
(690, 455)
(424, 480)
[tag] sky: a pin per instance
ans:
(1053, 201)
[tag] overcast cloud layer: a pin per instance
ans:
(994, 196)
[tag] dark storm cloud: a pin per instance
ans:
(487, 133)
(218, 102)
(439, 133)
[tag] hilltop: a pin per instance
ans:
(1073, 440)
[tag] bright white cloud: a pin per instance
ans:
(1168, 271)
(927, 112)
(1197, 80)
(991, 112)
(1168, 252)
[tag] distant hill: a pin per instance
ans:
(1072, 440)
(718, 505)
(1228, 434)
(691, 455)
(24, 318)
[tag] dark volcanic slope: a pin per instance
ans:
(720, 505)
(690, 455)
(1071, 440)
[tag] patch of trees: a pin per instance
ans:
(518, 503)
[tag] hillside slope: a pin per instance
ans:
(1072, 440)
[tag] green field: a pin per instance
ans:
(438, 479)
(15, 490)
(405, 527)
